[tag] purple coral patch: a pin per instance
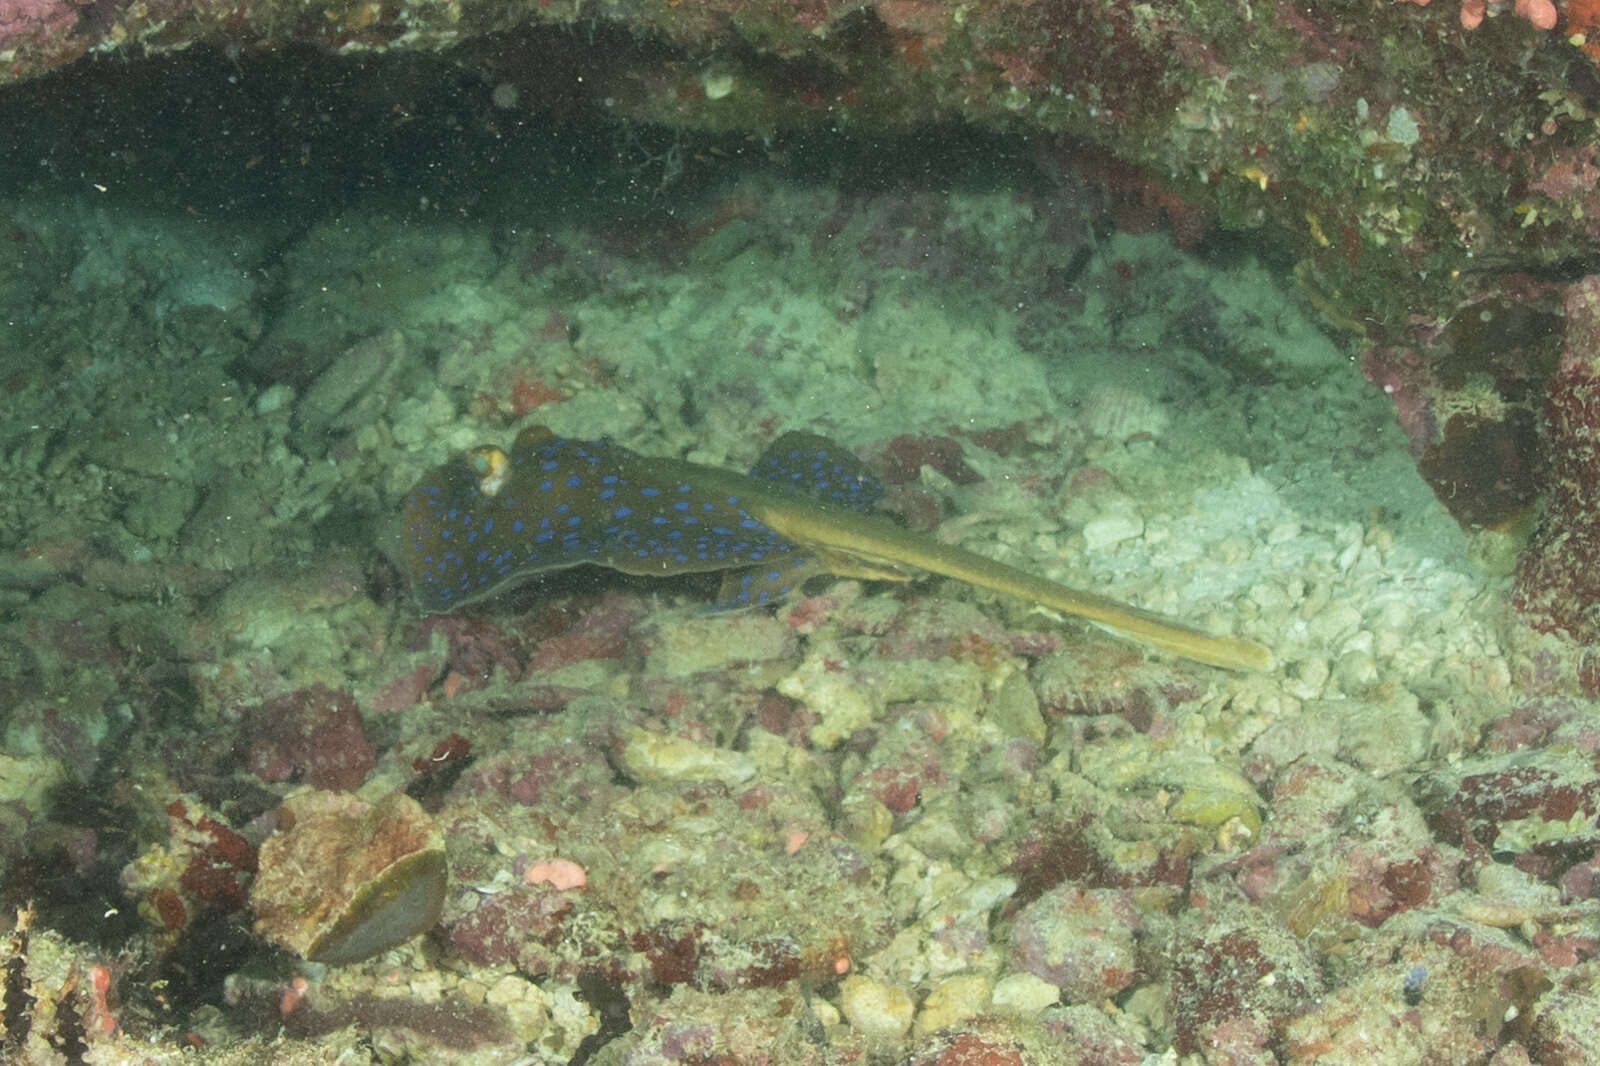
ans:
(314, 735)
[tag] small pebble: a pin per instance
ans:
(1355, 671)
(1024, 994)
(274, 399)
(1283, 533)
(1080, 940)
(833, 695)
(1112, 528)
(876, 1009)
(866, 822)
(957, 998)
(1309, 678)
(1334, 625)
(659, 757)
(1015, 711)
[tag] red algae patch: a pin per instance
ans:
(315, 734)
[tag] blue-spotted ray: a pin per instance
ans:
(491, 518)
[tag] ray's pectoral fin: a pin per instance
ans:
(756, 585)
(814, 473)
(820, 469)
(849, 564)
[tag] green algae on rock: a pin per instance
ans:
(346, 879)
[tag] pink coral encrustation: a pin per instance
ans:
(1540, 14)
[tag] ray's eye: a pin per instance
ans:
(490, 466)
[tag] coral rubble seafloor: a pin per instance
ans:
(879, 824)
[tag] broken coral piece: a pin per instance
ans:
(347, 880)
